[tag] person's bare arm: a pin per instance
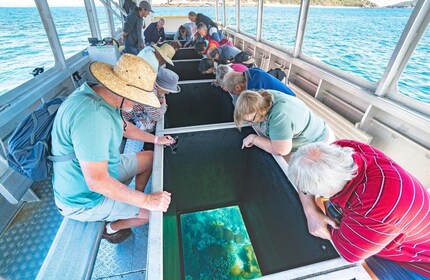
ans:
(276, 147)
(135, 133)
(98, 180)
(317, 220)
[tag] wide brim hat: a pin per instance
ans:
(167, 80)
(166, 51)
(132, 78)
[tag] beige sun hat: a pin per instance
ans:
(166, 51)
(132, 78)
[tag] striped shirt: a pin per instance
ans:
(146, 117)
(385, 212)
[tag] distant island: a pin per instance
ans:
(327, 3)
(406, 4)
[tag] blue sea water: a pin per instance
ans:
(359, 41)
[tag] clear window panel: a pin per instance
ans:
(230, 16)
(72, 26)
(24, 46)
(415, 80)
(280, 24)
(356, 40)
(248, 22)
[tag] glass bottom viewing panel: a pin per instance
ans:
(216, 245)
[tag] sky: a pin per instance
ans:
(69, 3)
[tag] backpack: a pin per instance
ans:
(278, 73)
(30, 144)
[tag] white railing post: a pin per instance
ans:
(51, 32)
(411, 36)
(301, 26)
(93, 20)
(259, 20)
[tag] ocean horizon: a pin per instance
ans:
(356, 40)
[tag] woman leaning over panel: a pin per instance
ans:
(285, 122)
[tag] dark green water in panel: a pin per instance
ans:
(189, 70)
(187, 54)
(216, 245)
(198, 104)
(210, 170)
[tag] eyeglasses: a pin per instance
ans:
(253, 118)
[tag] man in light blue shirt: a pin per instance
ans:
(93, 185)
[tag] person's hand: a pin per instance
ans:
(166, 140)
(317, 224)
(158, 201)
(248, 141)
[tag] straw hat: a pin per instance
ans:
(132, 78)
(166, 51)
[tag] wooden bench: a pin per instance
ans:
(342, 128)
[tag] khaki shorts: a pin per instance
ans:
(109, 209)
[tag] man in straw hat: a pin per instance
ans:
(146, 117)
(158, 56)
(93, 186)
(133, 25)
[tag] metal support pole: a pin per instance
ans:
(216, 11)
(92, 18)
(301, 26)
(414, 30)
(237, 16)
(51, 32)
(110, 22)
(224, 14)
(259, 20)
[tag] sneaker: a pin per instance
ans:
(117, 237)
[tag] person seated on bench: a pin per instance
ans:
(254, 79)
(202, 47)
(158, 56)
(94, 185)
(154, 33)
(376, 210)
(185, 32)
(222, 70)
(211, 27)
(245, 59)
(285, 122)
(146, 117)
(225, 54)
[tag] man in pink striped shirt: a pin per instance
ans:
(382, 210)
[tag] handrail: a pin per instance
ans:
(111, 10)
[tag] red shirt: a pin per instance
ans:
(385, 212)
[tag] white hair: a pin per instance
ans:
(321, 169)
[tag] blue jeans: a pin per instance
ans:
(131, 49)
(389, 270)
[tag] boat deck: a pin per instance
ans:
(26, 242)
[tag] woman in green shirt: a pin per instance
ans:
(284, 120)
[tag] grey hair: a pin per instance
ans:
(221, 71)
(321, 169)
(231, 79)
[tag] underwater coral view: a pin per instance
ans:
(216, 245)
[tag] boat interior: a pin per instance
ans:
(208, 169)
